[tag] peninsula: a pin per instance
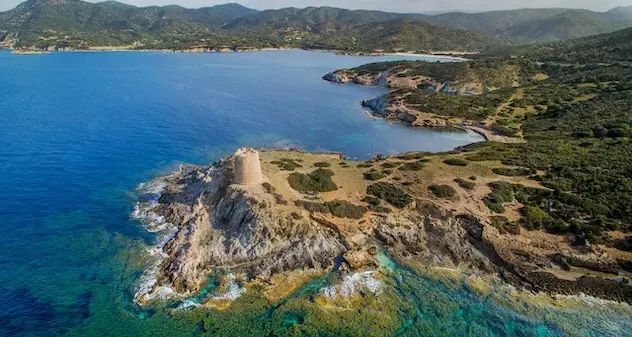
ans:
(546, 210)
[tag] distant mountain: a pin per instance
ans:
(316, 19)
(77, 24)
(615, 47)
(619, 14)
(489, 22)
(567, 25)
(75, 15)
(404, 34)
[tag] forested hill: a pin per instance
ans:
(613, 47)
(77, 24)
(56, 24)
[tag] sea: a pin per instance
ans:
(80, 131)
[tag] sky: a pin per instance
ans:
(404, 6)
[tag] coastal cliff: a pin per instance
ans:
(316, 213)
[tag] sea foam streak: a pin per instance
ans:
(148, 196)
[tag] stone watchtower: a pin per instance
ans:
(247, 167)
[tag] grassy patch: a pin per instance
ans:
(390, 193)
(455, 162)
(390, 165)
(374, 175)
(513, 172)
(468, 185)
(442, 191)
(505, 226)
(414, 166)
(322, 164)
(286, 164)
(364, 165)
(317, 181)
(411, 156)
(337, 208)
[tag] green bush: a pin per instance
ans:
(414, 166)
(455, 162)
(442, 191)
(390, 193)
(533, 217)
(411, 156)
(286, 164)
(504, 225)
(364, 165)
(390, 165)
(317, 181)
(337, 208)
(468, 185)
(322, 164)
(312, 206)
(345, 209)
(494, 206)
(513, 172)
(374, 175)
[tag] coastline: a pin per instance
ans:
(213, 50)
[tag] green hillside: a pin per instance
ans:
(567, 25)
(605, 48)
(77, 24)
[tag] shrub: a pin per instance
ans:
(322, 164)
(337, 208)
(317, 181)
(415, 166)
(390, 194)
(364, 165)
(515, 172)
(472, 178)
(455, 162)
(312, 206)
(533, 217)
(411, 156)
(468, 185)
(286, 164)
(374, 175)
(390, 165)
(504, 225)
(494, 206)
(345, 209)
(296, 216)
(442, 191)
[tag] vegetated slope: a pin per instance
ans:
(42, 22)
(491, 21)
(315, 19)
(603, 48)
(567, 25)
(419, 36)
(76, 24)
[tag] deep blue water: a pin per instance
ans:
(78, 132)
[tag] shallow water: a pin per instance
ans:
(81, 130)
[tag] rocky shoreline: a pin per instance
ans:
(262, 232)
(391, 107)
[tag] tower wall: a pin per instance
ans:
(247, 167)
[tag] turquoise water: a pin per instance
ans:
(81, 130)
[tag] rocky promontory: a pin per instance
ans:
(467, 95)
(313, 213)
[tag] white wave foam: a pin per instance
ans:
(353, 284)
(149, 194)
(234, 290)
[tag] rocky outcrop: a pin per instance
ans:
(226, 226)
(378, 105)
(211, 224)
